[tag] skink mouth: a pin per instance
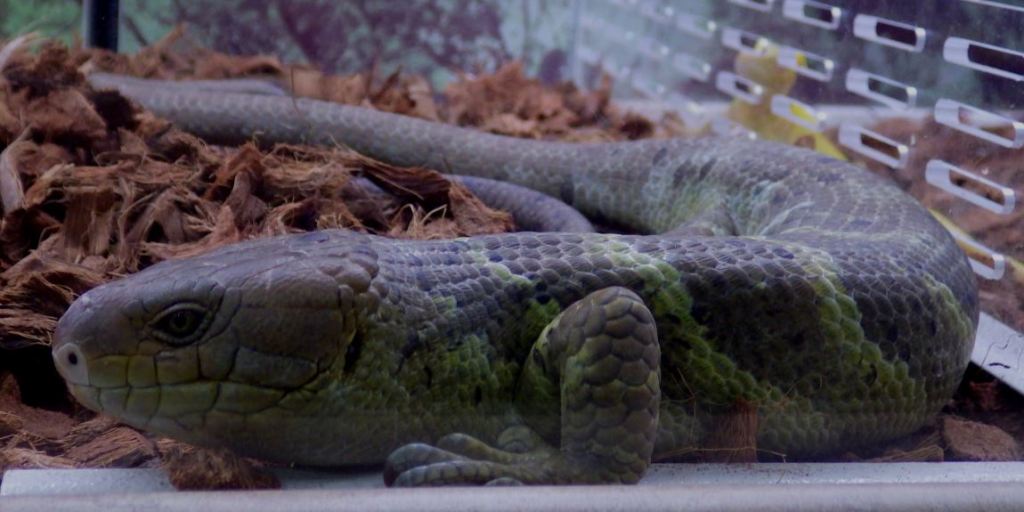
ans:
(175, 410)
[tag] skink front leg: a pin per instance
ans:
(590, 390)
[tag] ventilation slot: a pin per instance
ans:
(980, 123)
(873, 145)
(984, 261)
(984, 57)
(739, 87)
(757, 5)
(890, 33)
(805, 63)
(797, 112)
(813, 13)
(881, 89)
(744, 42)
(971, 187)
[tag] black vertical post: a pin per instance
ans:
(99, 23)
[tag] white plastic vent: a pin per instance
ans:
(663, 49)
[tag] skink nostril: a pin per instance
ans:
(71, 364)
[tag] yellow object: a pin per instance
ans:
(774, 79)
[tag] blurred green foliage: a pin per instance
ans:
(52, 18)
(436, 38)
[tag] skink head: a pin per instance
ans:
(189, 343)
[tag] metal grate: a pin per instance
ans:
(681, 54)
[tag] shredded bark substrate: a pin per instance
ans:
(93, 188)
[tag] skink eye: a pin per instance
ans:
(181, 323)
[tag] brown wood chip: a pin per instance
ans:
(972, 441)
(120, 447)
(192, 468)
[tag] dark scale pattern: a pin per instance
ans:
(833, 303)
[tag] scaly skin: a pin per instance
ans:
(828, 300)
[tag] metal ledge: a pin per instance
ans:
(798, 486)
(55, 482)
(764, 497)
